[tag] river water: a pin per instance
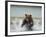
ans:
(15, 25)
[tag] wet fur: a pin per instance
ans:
(29, 23)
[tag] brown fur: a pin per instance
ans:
(28, 20)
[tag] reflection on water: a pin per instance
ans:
(15, 25)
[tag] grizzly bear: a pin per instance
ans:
(28, 21)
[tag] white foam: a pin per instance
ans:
(16, 26)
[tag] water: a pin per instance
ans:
(16, 25)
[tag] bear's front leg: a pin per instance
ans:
(24, 22)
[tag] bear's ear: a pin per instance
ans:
(25, 14)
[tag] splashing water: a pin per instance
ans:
(16, 26)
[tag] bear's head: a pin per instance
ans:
(28, 17)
